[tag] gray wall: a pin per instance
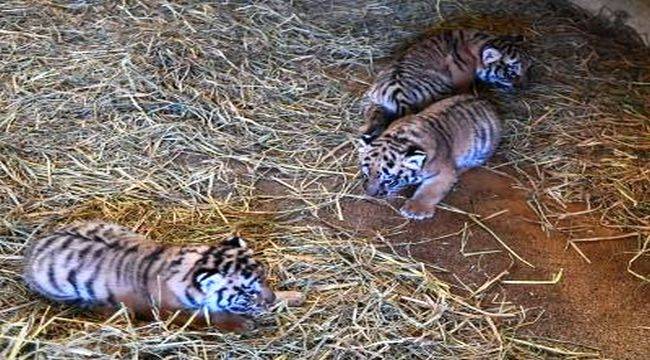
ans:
(637, 10)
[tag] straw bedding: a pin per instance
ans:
(195, 119)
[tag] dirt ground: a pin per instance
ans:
(598, 304)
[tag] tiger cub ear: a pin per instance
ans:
(235, 241)
(415, 158)
(490, 55)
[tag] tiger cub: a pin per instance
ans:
(438, 67)
(100, 265)
(430, 149)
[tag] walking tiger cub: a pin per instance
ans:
(430, 149)
(100, 265)
(438, 67)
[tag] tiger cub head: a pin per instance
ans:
(390, 164)
(503, 63)
(232, 280)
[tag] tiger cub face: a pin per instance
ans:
(389, 168)
(503, 63)
(232, 280)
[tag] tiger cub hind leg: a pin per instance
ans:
(430, 192)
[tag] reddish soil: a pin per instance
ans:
(599, 304)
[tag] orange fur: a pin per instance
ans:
(438, 67)
(103, 266)
(429, 150)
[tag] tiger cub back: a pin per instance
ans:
(429, 150)
(101, 265)
(438, 67)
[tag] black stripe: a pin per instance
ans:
(93, 277)
(176, 262)
(66, 243)
(51, 278)
(456, 56)
(483, 137)
(72, 280)
(130, 272)
(89, 289)
(436, 126)
(253, 280)
(92, 234)
(81, 254)
(232, 296)
(113, 257)
(111, 297)
(122, 256)
(219, 294)
(207, 254)
(191, 298)
(159, 270)
(70, 229)
(246, 273)
(43, 244)
(150, 260)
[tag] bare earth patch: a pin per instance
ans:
(595, 304)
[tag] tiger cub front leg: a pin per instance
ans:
(431, 191)
(232, 322)
(223, 321)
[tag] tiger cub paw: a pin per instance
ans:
(417, 210)
(246, 326)
(292, 298)
(233, 323)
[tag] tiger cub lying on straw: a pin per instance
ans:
(430, 149)
(445, 64)
(99, 265)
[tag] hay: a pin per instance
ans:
(194, 120)
(360, 302)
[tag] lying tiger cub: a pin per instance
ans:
(441, 66)
(100, 266)
(430, 149)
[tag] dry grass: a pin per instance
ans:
(196, 119)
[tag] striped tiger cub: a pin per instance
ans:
(100, 265)
(429, 150)
(438, 67)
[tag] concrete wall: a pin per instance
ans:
(637, 12)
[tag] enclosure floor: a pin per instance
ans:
(594, 304)
(193, 120)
